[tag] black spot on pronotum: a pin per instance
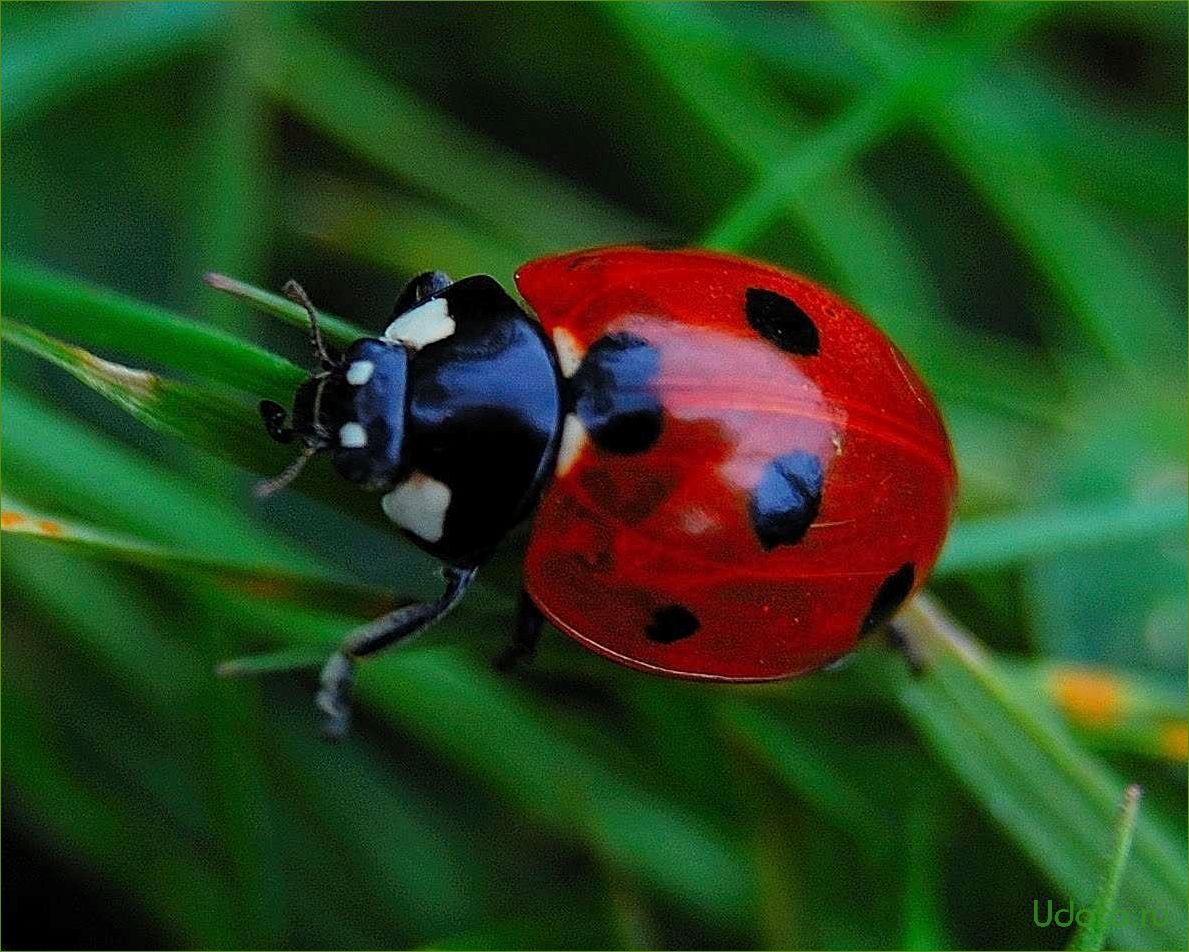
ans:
(670, 624)
(614, 396)
(781, 321)
(888, 598)
(787, 498)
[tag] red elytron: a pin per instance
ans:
(778, 480)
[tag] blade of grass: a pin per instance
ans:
(133, 494)
(924, 872)
(183, 410)
(158, 671)
(204, 418)
(232, 184)
(1113, 710)
(335, 329)
(1056, 801)
(396, 232)
(936, 75)
(1092, 934)
(1106, 287)
(263, 581)
(98, 318)
(995, 542)
(808, 773)
(389, 126)
(69, 55)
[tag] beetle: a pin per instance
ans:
(733, 475)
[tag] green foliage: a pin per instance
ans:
(1092, 934)
(1002, 187)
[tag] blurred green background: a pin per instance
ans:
(1001, 187)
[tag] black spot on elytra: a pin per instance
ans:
(614, 396)
(787, 498)
(781, 321)
(888, 598)
(671, 623)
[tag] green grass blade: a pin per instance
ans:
(63, 56)
(1056, 801)
(399, 233)
(924, 886)
(103, 320)
(207, 419)
(133, 494)
(198, 414)
(340, 95)
(864, 123)
(1111, 710)
(225, 572)
(994, 542)
(1119, 305)
(807, 770)
(335, 329)
(1092, 935)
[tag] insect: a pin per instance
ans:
(733, 475)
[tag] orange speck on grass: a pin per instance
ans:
(46, 527)
(1088, 698)
(10, 519)
(1174, 741)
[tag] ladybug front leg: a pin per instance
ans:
(339, 671)
(529, 622)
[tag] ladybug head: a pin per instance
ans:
(353, 408)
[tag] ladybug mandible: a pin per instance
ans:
(734, 475)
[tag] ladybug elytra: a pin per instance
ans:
(733, 475)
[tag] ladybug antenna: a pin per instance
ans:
(296, 293)
(266, 487)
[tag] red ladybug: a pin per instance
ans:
(735, 476)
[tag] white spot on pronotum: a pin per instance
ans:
(423, 325)
(419, 505)
(352, 435)
(569, 351)
(360, 372)
(573, 439)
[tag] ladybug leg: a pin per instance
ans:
(418, 289)
(529, 621)
(900, 642)
(404, 622)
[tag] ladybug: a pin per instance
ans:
(733, 475)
